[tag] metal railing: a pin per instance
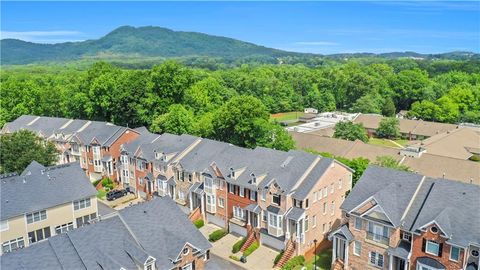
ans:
(378, 238)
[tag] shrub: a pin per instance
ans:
(107, 183)
(95, 183)
(217, 235)
(277, 258)
(238, 245)
(475, 158)
(199, 223)
(235, 258)
(297, 260)
(251, 248)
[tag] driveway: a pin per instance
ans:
(217, 263)
(261, 259)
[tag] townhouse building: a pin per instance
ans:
(400, 220)
(96, 145)
(122, 241)
(42, 202)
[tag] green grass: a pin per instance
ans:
(101, 194)
(324, 261)
(382, 142)
(286, 116)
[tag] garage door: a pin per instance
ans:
(272, 242)
(237, 229)
(215, 220)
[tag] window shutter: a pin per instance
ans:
(440, 247)
(424, 243)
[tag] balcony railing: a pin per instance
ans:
(378, 238)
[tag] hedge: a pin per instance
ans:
(95, 183)
(297, 260)
(235, 258)
(199, 223)
(277, 258)
(217, 235)
(238, 245)
(251, 248)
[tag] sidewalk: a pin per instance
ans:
(261, 259)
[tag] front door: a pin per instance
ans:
(171, 191)
(399, 264)
(253, 219)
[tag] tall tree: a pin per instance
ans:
(349, 131)
(20, 148)
(388, 128)
(177, 120)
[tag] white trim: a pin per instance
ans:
(412, 199)
(450, 255)
(434, 222)
(433, 243)
(381, 208)
(364, 202)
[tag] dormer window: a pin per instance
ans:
(254, 179)
(434, 229)
(232, 173)
(157, 155)
(185, 251)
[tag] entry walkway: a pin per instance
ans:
(261, 259)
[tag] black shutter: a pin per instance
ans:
(424, 243)
(440, 247)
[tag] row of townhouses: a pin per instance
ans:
(285, 200)
(404, 221)
(50, 220)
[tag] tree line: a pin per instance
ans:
(233, 104)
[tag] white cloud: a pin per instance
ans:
(42, 36)
(316, 43)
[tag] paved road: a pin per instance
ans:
(217, 263)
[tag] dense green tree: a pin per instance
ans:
(370, 103)
(273, 136)
(236, 120)
(411, 85)
(177, 120)
(388, 128)
(388, 108)
(349, 131)
(390, 162)
(20, 148)
(426, 110)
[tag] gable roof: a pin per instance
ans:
(391, 189)
(122, 241)
(38, 188)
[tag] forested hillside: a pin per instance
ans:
(145, 97)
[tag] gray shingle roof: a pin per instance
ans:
(391, 189)
(58, 185)
(120, 241)
(295, 213)
(309, 182)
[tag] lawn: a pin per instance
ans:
(101, 194)
(387, 143)
(286, 116)
(324, 261)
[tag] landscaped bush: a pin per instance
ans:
(199, 223)
(95, 183)
(251, 248)
(217, 235)
(238, 245)
(297, 260)
(235, 258)
(475, 158)
(107, 183)
(277, 258)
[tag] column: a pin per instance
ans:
(190, 200)
(287, 234)
(334, 250)
(346, 254)
(390, 262)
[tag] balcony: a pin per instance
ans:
(378, 238)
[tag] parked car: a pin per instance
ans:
(115, 194)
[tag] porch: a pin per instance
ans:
(341, 238)
(398, 257)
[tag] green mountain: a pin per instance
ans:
(136, 42)
(151, 42)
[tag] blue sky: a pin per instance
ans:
(317, 27)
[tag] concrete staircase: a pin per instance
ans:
(287, 255)
(251, 237)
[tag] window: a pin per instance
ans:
(276, 199)
(263, 196)
(64, 228)
(432, 248)
(325, 192)
(376, 259)
(36, 216)
(274, 220)
(85, 220)
(315, 196)
(264, 216)
(306, 204)
(242, 192)
(81, 204)
(230, 188)
(39, 235)
(454, 253)
(324, 208)
(253, 195)
(3, 225)
(297, 203)
(185, 251)
(238, 212)
(357, 248)
(149, 267)
(12, 245)
(306, 223)
(190, 177)
(339, 183)
(378, 233)
(332, 208)
(324, 227)
(406, 236)
(221, 202)
(314, 221)
(358, 223)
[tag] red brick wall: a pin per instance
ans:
(445, 256)
(237, 200)
(115, 150)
